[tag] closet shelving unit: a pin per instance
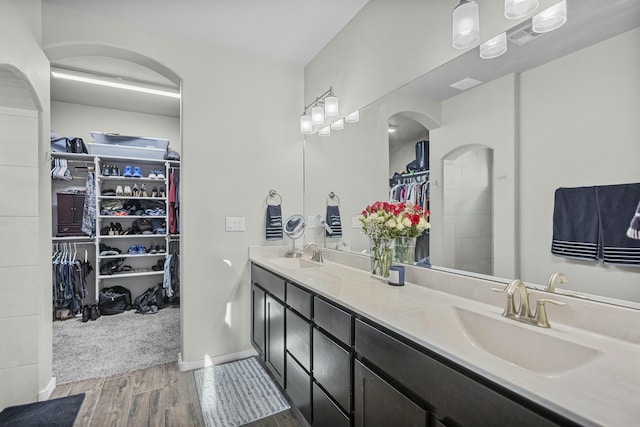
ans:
(141, 264)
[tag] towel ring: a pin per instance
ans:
(333, 195)
(272, 195)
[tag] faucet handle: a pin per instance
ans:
(541, 318)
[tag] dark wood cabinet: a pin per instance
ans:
(274, 337)
(378, 404)
(258, 320)
(299, 339)
(332, 368)
(299, 387)
(325, 412)
(70, 209)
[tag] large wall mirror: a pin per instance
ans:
(557, 110)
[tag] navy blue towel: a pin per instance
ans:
(634, 225)
(274, 222)
(333, 220)
(575, 223)
(616, 204)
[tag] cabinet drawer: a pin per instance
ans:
(325, 412)
(269, 281)
(299, 300)
(299, 339)
(333, 320)
(299, 387)
(332, 368)
(455, 397)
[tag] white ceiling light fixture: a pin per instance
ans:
(550, 19)
(494, 47)
(353, 117)
(108, 81)
(515, 9)
(466, 24)
(338, 125)
(324, 106)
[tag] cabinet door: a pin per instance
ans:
(78, 208)
(332, 368)
(299, 387)
(65, 208)
(299, 339)
(257, 320)
(325, 412)
(378, 404)
(274, 356)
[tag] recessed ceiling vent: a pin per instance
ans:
(522, 35)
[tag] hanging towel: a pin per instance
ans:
(616, 204)
(333, 219)
(575, 223)
(274, 222)
(634, 226)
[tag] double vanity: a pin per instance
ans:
(348, 349)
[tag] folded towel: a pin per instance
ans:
(575, 223)
(274, 222)
(616, 204)
(333, 220)
(634, 227)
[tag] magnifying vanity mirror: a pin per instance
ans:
(294, 228)
(559, 109)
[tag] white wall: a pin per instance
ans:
(579, 127)
(228, 165)
(25, 318)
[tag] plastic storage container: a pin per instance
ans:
(129, 141)
(126, 151)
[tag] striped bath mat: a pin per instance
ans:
(237, 393)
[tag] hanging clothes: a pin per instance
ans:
(173, 203)
(89, 208)
(69, 281)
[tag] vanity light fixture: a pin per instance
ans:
(353, 117)
(326, 131)
(324, 106)
(317, 115)
(331, 107)
(338, 125)
(466, 24)
(550, 19)
(306, 127)
(515, 9)
(494, 47)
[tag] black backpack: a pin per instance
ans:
(151, 300)
(114, 300)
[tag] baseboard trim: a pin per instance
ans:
(48, 391)
(210, 361)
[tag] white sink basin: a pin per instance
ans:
(294, 263)
(522, 345)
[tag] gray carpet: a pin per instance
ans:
(237, 393)
(114, 345)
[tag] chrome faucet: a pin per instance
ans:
(524, 315)
(554, 280)
(317, 252)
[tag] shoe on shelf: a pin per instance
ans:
(133, 250)
(154, 192)
(106, 170)
(162, 249)
(142, 250)
(127, 191)
(127, 172)
(152, 249)
(119, 191)
(143, 191)
(152, 174)
(159, 174)
(137, 172)
(115, 170)
(136, 191)
(95, 312)
(162, 193)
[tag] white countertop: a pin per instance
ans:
(605, 390)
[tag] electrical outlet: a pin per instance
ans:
(311, 221)
(234, 223)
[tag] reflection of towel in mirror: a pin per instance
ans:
(274, 222)
(575, 223)
(333, 220)
(634, 227)
(616, 203)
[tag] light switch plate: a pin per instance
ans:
(234, 223)
(311, 221)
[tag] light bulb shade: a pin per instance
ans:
(514, 9)
(325, 131)
(353, 117)
(338, 125)
(317, 115)
(466, 24)
(550, 19)
(331, 107)
(306, 127)
(494, 47)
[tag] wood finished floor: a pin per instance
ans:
(157, 396)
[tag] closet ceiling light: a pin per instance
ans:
(494, 47)
(466, 24)
(112, 82)
(325, 131)
(353, 117)
(550, 19)
(338, 125)
(515, 9)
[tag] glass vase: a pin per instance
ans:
(404, 250)
(381, 256)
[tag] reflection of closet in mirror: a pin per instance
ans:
(468, 211)
(409, 168)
